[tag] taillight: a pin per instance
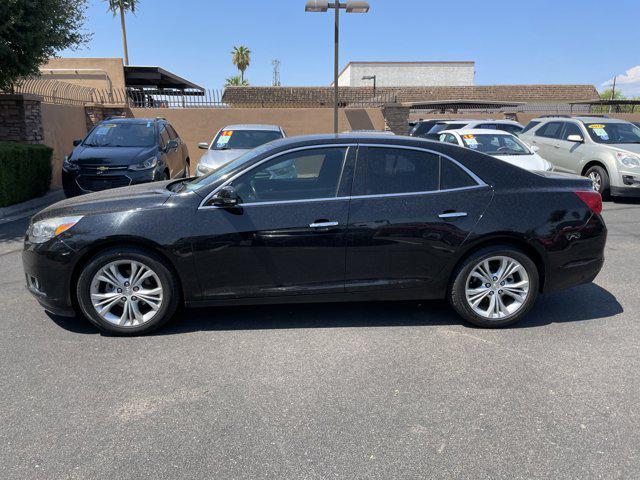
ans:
(592, 198)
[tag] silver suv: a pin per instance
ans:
(604, 149)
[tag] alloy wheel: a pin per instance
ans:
(596, 180)
(497, 287)
(126, 293)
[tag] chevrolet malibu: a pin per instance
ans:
(366, 217)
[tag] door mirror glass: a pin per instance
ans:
(77, 142)
(203, 146)
(226, 197)
(171, 145)
(575, 138)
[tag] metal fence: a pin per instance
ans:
(470, 109)
(53, 91)
(148, 98)
(300, 97)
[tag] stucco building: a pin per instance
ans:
(407, 74)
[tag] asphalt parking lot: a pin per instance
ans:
(377, 390)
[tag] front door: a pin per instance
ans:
(568, 154)
(287, 235)
(410, 211)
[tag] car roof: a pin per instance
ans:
(252, 126)
(477, 131)
(584, 119)
(493, 120)
(132, 120)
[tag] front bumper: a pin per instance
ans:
(48, 269)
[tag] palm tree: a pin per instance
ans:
(123, 6)
(241, 57)
(236, 81)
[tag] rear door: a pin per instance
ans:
(547, 137)
(410, 211)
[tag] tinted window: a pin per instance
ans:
(164, 136)
(125, 134)
(243, 139)
(421, 128)
(613, 132)
(507, 127)
(452, 176)
(172, 133)
(530, 125)
(439, 127)
(571, 129)
(487, 126)
(301, 175)
(498, 143)
(550, 130)
(395, 170)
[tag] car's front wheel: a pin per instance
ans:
(127, 291)
(494, 287)
(599, 180)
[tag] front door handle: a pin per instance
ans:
(556, 146)
(323, 224)
(453, 215)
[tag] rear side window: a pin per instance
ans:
(396, 170)
(507, 127)
(550, 130)
(530, 125)
(452, 176)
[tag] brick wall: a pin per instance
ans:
(20, 118)
(95, 113)
(396, 118)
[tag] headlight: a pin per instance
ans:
(548, 166)
(146, 165)
(44, 230)
(204, 169)
(69, 164)
(630, 162)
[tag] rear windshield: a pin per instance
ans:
(243, 139)
(495, 144)
(612, 133)
(439, 127)
(139, 134)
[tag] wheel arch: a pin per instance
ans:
(114, 242)
(594, 163)
(507, 239)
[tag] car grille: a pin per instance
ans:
(93, 169)
(99, 182)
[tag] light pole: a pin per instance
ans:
(350, 7)
(371, 77)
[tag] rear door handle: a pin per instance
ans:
(323, 224)
(453, 215)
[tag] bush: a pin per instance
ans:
(25, 172)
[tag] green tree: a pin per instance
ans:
(241, 57)
(606, 95)
(32, 32)
(236, 81)
(121, 7)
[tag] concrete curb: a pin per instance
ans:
(30, 207)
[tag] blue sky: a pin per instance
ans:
(539, 41)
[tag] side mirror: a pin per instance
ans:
(203, 146)
(77, 142)
(575, 138)
(534, 148)
(171, 145)
(226, 197)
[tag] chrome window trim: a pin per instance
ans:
(479, 182)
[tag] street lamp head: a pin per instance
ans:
(357, 7)
(316, 6)
(369, 77)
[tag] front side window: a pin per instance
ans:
(571, 129)
(243, 139)
(301, 175)
(395, 170)
(124, 134)
(507, 127)
(530, 125)
(612, 133)
(550, 130)
(495, 144)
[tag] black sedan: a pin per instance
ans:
(353, 217)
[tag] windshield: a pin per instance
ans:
(222, 172)
(613, 132)
(495, 144)
(129, 134)
(439, 127)
(243, 139)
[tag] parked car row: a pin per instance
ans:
(316, 219)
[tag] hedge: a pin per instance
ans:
(25, 171)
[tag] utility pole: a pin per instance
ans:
(276, 72)
(613, 91)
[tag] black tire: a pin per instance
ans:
(457, 297)
(605, 185)
(168, 281)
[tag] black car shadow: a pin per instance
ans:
(586, 302)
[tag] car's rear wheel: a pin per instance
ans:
(494, 287)
(599, 180)
(127, 291)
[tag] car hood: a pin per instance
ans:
(145, 195)
(528, 162)
(627, 147)
(112, 155)
(218, 158)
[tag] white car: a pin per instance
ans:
(509, 126)
(233, 141)
(501, 145)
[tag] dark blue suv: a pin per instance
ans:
(124, 151)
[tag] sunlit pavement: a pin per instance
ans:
(378, 390)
